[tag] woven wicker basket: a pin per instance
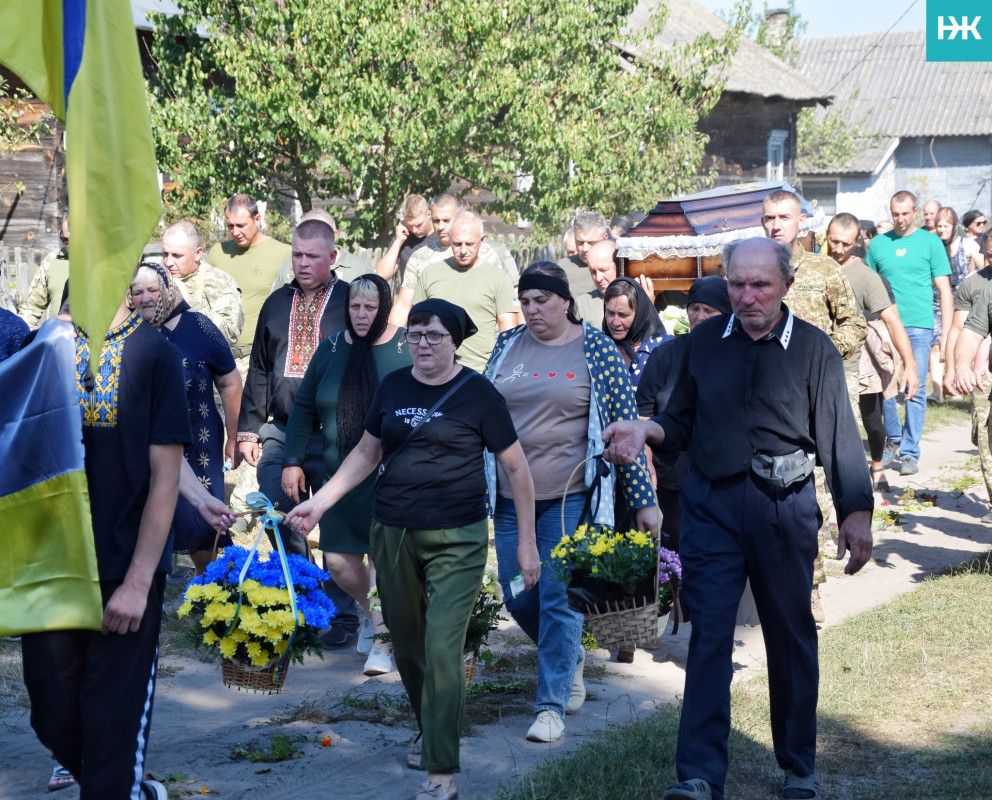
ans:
(253, 679)
(627, 623)
(470, 661)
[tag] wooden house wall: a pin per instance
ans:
(739, 127)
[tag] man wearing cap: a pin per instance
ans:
(482, 289)
(766, 394)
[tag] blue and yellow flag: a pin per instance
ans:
(48, 573)
(81, 57)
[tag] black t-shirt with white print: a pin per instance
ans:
(437, 480)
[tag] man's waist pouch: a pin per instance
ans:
(782, 471)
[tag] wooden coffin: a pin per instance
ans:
(683, 239)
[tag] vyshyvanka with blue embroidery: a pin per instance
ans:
(260, 614)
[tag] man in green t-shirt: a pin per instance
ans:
(912, 261)
(252, 259)
(482, 289)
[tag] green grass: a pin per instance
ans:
(905, 712)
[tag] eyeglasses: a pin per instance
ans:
(432, 337)
(979, 222)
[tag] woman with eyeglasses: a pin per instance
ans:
(564, 381)
(334, 397)
(426, 431)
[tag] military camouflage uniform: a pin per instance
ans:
(45, 292)
(215, 294)
(968, 292)
(822, 296)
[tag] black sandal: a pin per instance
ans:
(880, 484)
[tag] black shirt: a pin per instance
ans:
(784, 392)
(655, 387)
(437, 480)
(138, 400)
(281, 352)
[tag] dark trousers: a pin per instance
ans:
(870, 406)
(91, 698)
(732, 530)
(269, 472)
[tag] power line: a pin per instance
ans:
(872, 48)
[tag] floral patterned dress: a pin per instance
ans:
(205, 354)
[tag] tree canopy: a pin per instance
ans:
(368, 102)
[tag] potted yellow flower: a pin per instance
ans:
(616, 579)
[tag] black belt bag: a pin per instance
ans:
(782, 471)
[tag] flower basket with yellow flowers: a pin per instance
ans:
(615, 579)
(254, 620)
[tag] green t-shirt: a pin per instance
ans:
(254, 270)
(909, 264)
(484, 291)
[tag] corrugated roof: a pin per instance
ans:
(886, 79)
(140, 9)
(753, 70)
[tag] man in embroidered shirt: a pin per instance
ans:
(769, 392)
(291, 324)
(209, 290)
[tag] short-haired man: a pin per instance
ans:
(603, 271)
(45, 293)
(92, 691)
(914, 262)
(413, 231)
(443, 211)
(568, 242)
(885, 334)
(209, 290)
(760, 396)
(822, 296)
(482, 289)
(968, 369)
(252, 259)
(347, 265)
(930, 209)
(291, 324)
(588, 227)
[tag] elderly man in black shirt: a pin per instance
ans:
(761, 396)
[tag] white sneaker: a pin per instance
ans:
(365, 640)
(548, 727)
(578, 696)
(154, 790)
(379, 662)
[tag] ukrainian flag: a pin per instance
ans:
(48, 572)
(81, 57)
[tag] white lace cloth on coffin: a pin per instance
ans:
(708, 244)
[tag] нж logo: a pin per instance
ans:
(953, 27)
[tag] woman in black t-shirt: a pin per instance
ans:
(429, 426)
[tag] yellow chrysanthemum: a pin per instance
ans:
(185, 608)
(228, 647)
(210, 637)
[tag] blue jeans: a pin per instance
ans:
(908, 434)
(543, 612)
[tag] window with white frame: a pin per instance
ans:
(776, 154)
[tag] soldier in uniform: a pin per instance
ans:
(45, 293)
(821, 295)
(210, 291)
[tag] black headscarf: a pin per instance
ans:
(646, 324)
(360, 378)
(455, 319)
(711, 291)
